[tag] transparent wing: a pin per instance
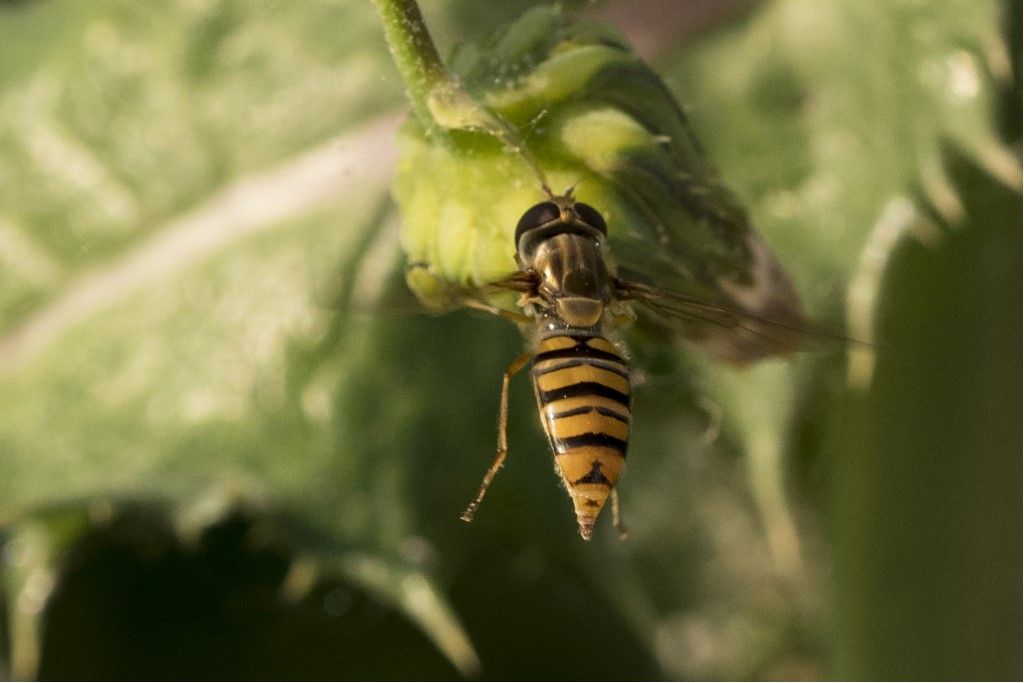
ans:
(726, 330)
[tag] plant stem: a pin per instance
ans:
(438, 99)
(415, 54)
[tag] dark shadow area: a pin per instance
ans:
(135, 603)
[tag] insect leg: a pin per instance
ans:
(517, 318)
(617, 516)
(513, 369)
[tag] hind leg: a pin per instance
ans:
(513, 369)
(617, 516)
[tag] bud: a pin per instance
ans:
(585, 112)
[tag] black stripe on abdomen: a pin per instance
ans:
(564, 445)
(618, 367)
(583, 410)
(584, 389)
(581, 350)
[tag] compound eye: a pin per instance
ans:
(537, 216)
(591, 217)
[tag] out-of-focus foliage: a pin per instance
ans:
(169, 353)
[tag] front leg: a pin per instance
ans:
(477, 305)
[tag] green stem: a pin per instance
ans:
(439, 101)
(414, 53)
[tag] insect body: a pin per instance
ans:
(580, 379)
(583, 392)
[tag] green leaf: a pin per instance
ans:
(171, 213)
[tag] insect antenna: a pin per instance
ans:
(506, 133)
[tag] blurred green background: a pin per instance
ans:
(209, 470)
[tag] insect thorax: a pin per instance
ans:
(573, 278)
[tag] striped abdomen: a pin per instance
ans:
(582, 387)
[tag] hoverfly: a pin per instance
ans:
(568, 292)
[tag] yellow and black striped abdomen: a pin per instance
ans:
(583, 393)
